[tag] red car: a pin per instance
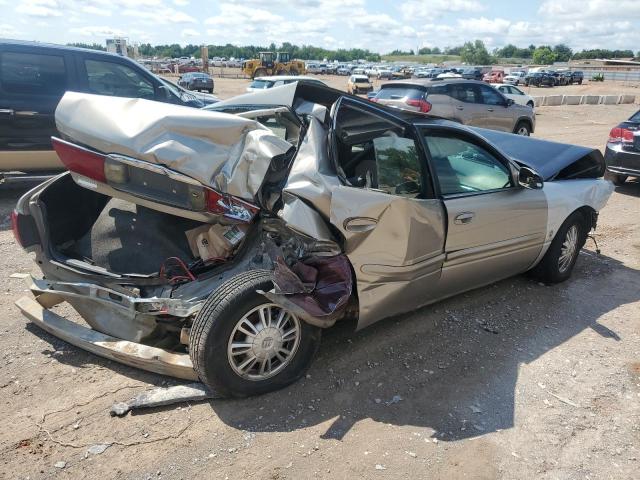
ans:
(494, 76)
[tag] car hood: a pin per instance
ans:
(226, 152)
(552, 160)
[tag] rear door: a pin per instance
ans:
(495, 110)
(467, 107)
(32, 82)
(393, 226)
(495, 228)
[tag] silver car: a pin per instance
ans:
(218, 245)
(468, 102)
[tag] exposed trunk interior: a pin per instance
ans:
(114, 234)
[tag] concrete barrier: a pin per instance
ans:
(553, 100)
(572, 99)
(538, 101)
(609, 99)
(627, 98)
(591, 99)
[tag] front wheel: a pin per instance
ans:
(522, 129)
(241, 344)
(557, 264)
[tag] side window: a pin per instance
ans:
(374, 153)
(490, 96)
(438, 90)
(463, 167)
(467, 93)
(115, 79)
(33, 74)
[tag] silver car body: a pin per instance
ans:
(405, 251)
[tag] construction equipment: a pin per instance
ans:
(271, 63)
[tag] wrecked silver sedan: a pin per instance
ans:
(218, 244)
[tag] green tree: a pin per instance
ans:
(475, 53)
(91, 46)
(543, 56)
(563, 52)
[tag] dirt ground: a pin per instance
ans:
(513, 381)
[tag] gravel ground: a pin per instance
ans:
(516, 381)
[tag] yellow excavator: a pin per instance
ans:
(272, 63)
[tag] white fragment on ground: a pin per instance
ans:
(380, 467)
(60, 464)
(19, 275)
(395, 399)
(161, 396)
(98, 448)
(475, 409)
(564, 400)
(411, 454)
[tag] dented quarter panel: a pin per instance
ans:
(395, 245)
(566, 196)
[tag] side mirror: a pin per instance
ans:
(510, 102)
(528, 178)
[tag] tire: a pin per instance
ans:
(294, 72)
(550, 269)
(210, 90)
(579, 82)
(216, 326)
(522, 128)
(260, 72)
(616, 178)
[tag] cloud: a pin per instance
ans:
(161, 16)
(190, 33)
(99, 31)
(416, 9)
(482, 25)
(589, 9)
(39, 8)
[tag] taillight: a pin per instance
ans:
(80, 160)
(421, 104)
(620, 135)
(230, 206)
(15, 228)
(373, 99)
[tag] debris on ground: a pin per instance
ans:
(158, 397)
(60, 464)
(98, 449)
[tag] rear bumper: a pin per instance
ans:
(622, 161)
(137, 355)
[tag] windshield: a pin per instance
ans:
(361, 80)
(260, 84)
(399, 92)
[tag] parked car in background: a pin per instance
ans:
(539, 79)
(355, 212)
(316, 68)
(196, 81)
(261, 83)
(472, 73)
(359, 84)
(465, 101)
(560, 78)
(360, 70)
(449, 74)
(184, 94)
(515, 78)
(576, 77)
(33, 78)
(343, 70)
(494, 76)
(622, 152)
(515, 94)
(384, 73)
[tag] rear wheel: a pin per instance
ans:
(616, 178)
(241, 344)
(260, 72)
(557, 264)
(522, 128)
(294, 72)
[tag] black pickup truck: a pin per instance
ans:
(33, 79)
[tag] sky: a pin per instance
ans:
(380, 26)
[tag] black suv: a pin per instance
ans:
(576, 77)
(540, 79)
(33, 79)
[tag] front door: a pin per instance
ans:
(495, 228)
(393, 226)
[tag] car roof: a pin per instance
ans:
(285, 77)
(26, 43)
(430, 82)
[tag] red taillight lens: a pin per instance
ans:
(230, 206)
(80, 160)
(374, 99)
(422, 105)
(620, 135)
(15, 228)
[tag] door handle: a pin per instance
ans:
(460, 107)
(359, 224)
(464, 218)
(489, 109)
(6, 111)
